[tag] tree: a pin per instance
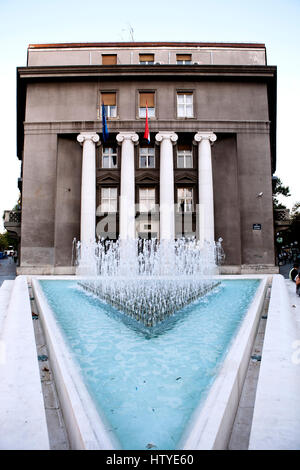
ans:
(296, 209)
(6, 241)
(279, 189)
(3, 242)
(295, 224)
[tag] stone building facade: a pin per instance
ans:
(207, 171)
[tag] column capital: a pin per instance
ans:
(84, 136)
(164, 135)
(127, 136)
(205, 135)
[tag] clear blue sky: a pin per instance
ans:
(273, 22)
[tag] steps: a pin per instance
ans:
(5, 293)
(22, 414)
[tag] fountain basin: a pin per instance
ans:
(88, 427)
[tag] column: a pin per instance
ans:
(127, 194)
(88, 141)
(167, 221)
(205, 184)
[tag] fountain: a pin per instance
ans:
(148, 280)
(150, 345)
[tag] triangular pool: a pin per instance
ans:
(148, 386)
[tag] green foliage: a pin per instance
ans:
(295, 225)
(6, 241)
(296, 210)
(292, 234)
(3, 242)
(279, 189)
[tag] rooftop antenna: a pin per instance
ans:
(131, 32)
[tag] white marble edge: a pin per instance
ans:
(211, 423)
(85, 426)
(22, 413)
(276, 418)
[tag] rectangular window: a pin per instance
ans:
(109, 201)
(183, 59)
(185, 199)
(149, 99)
(109, 59)
(109, 100)
(147, 199)
(109, 157)
(147, 59)
(147, 157)
(185, 104)
(184, 157)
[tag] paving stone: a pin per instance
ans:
(58, 437)
(240, 439)
(7, 270)
(241, 429)
(50, 396)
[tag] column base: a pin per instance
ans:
(250, 269)
(259, 269)
(46, 270)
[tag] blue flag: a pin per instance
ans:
(104, 124)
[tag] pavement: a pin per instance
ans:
(243, 421)
(285, 269)
(291, 286)
(7, 269)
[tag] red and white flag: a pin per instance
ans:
(147, 133)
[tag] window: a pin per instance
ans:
(185, 199)
(185, 104)
(184, 157)
(147, 157)
(109, 201)
(147, 59)
(146, 98)
(147, 199)
(110, 102)
(109, 157)
(109, 59)
(183, 59)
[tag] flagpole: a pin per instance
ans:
(147, 133)
(104, 124)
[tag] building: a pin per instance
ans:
(207, 171)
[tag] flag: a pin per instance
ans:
(104, 124)
(147, 133)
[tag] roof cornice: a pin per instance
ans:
(146, 70)
(262, 73)
(79, 45)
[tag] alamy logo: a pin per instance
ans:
(296, 353)
(2, 352)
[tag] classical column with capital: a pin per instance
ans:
(205, 184)
(88, 140)
(167, 217)
(127, 194)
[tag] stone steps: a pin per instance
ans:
(22, 414)
(5, 293)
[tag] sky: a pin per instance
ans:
(272, 22)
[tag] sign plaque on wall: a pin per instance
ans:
(256, 226)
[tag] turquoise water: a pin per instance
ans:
(149, 385)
